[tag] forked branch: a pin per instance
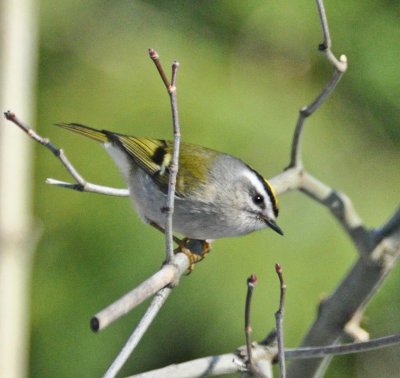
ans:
(81, 184)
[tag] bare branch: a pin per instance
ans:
(251, 283)
(174, 165)
(326, 45)
(351, 296)
(233, 363)
(168, 275)
(279, 322)
(340, 68)
(207, 366)
(217, 365)
(156, 59)
(336, 350)
(90, 188)
(338, 203)
(10, 116)
(82, 185)
(155, 306)
(341, 208)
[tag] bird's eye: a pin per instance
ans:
(258, 199)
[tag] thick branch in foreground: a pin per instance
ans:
(218, 365)
(236, 362)
(168, 275)
(351, 296)
(378, 255)
(158, 301)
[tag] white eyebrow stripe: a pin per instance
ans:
(255, 181)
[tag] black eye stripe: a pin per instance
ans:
(269, 191)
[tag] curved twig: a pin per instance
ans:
(340, 68)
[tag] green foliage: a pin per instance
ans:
(246, 69)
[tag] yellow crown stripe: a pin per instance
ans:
(274, 198)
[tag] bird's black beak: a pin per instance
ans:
(271, 223)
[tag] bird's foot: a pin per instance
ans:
(194, 249)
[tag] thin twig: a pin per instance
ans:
(279, 322)
(155, 306)
(174, 165)
(82, 185)
(326, 45)
(156, 59)
(309, 110)
(89, 188)
(10, 116)
(340, 68)
(251, 283)
(336, 350)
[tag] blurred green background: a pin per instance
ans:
(246, 69)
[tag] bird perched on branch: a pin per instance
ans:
(217, 195)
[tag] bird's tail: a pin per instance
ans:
(89, 132)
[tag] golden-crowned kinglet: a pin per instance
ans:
(217, 195)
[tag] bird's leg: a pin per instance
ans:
(162, 230)
(194, 249)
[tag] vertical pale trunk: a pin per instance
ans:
(18, 47)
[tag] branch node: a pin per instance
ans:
(355, 332)
(343, 58)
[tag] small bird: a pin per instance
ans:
(217, 195)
